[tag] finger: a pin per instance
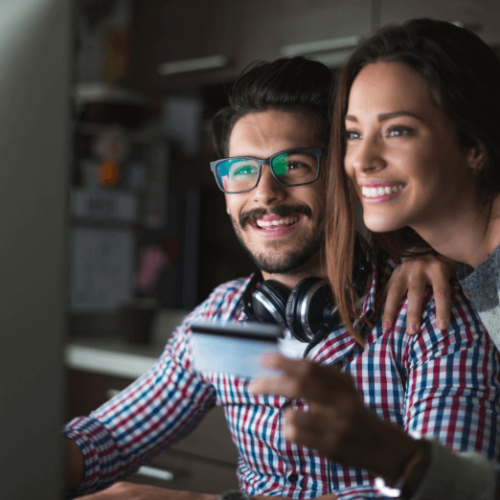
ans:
(277, 361)
(302, 427)
(282, 382)
(279, 385)
(323, 385)
(394, 291)
(304, 379)
(296, 379)
(318, 431)
(416, 294)
(442, 291)
(439, 278)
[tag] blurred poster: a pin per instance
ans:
(104, 205)
(101, 269)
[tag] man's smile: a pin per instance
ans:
(276, 222)
(273, 222)
(275, 226)
(274, 217)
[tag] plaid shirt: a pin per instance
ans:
(443, 383)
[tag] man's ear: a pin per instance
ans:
(475, 158)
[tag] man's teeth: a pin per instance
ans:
(278, 222)
(375, 192)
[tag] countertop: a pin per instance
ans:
(117, 357)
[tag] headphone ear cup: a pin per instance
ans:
(306, 306)
(269, 303)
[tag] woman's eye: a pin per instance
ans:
(399, 131)
(350, 135)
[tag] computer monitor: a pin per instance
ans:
(35, 70)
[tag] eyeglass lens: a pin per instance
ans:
(290, 167)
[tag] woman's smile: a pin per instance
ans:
(379, 192)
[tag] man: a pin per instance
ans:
(423, 383)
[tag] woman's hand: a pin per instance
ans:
(413, 276)
(337, 425)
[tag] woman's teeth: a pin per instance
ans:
(375, 192)
(268, 224)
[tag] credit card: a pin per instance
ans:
(233, 348)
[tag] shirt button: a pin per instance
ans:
(293, 478)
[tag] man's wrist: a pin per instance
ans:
(398, 448)
(414, 469)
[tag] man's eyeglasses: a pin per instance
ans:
(293, 167)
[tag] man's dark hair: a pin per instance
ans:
(296, 84)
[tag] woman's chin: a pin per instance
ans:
(380, 224)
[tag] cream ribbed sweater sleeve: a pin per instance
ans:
(457, 476)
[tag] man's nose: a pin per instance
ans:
(268, 189)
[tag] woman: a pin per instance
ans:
(417, 122)
(416, 131)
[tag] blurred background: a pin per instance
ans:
(145, 233)
(149, 236)
(148, 228)
(148, 232)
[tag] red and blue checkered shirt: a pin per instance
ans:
(443, 383)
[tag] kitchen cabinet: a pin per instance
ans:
(179, 30)
(268, 29)
(244, 32)
(479, 15)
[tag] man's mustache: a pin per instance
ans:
(280, 210)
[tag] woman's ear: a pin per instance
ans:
(475, 158)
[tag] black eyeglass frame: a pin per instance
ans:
(267, 161)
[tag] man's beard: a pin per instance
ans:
(274, 260)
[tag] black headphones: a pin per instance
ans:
(308, 309)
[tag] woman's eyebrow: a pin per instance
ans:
(387, 116)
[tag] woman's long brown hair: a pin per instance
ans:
(340, 220)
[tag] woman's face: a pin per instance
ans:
(402, 153)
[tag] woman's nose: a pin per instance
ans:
(366, 156)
